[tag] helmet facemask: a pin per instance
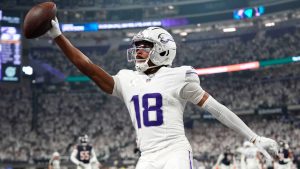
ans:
(141, 64)
(84, 140)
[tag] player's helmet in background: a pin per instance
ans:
(162, 53)
(227, 149)
(283, 144)
(84, 139)
(56, 154)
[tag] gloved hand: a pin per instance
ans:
(267, 146)
(55, 30)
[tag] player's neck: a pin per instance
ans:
(152, 70)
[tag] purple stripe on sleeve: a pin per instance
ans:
(191, 167)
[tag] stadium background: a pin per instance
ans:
(48, 109)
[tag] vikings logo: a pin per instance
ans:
(165, 38)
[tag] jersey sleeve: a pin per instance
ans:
(51, 161)
(191, 76)
(94, 156)
(191, 89)
(117, 91)
(73, 156)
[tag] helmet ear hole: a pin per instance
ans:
(163, 53)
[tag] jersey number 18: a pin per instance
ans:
(147, 109)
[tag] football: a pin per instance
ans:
(38, 19)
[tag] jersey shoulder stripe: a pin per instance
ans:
(190, 74)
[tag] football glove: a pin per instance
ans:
(267, 146)
(55, 30)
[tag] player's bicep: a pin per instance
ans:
(74, 152)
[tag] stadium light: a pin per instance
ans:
(27, 70)
(171, 7)
(269, 24)
(296, 58)
(126, 39)
(229, 29)
(183, 34)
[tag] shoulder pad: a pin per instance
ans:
(191, 75)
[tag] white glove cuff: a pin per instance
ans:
(55, 30)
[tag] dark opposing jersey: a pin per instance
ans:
(84, 153)
(228, 159)
(283, 154)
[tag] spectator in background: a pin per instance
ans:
(226, 160)
(250, 157)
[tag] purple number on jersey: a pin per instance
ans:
(147, 108)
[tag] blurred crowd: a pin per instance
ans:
(262, 45)
(209, 139)
(63, 116)
(45, 117)
(110, 51)
(15, 122)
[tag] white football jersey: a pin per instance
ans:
(250, 152)
(55, 163)
(252, 161)
(155, 106)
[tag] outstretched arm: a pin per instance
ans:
(193, 92)
(81, 61)
(73, 157)
(225, 116)
(231, 120)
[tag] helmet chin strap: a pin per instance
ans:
(142, 67)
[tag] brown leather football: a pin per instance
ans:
(38, 19)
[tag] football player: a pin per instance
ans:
(54, 162)
(285, 157)
(226, 160)
(155, 96)
(250, 157)
(84, 156)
